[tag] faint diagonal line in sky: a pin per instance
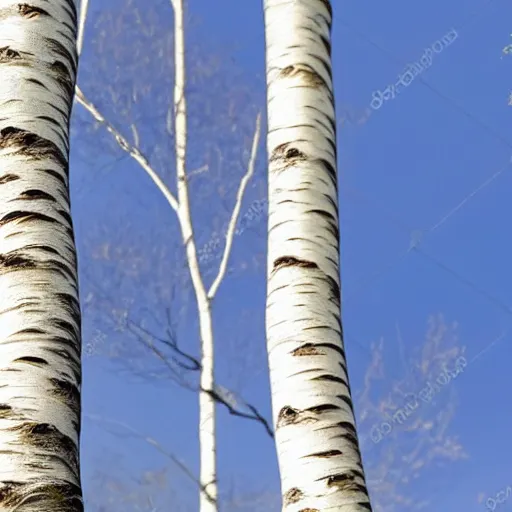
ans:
(436, 91)
(488, 347)
(469, 197)
(491, 298)
(393, 218)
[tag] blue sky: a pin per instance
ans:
(424, 187)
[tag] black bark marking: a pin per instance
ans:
(68, 393)
(334, 288)
(31, 11)
(31, 330)
(8, 493)
(288, 153)
(287, 416)
(15, 260)
(66, 216)
(330, 378)
(330, 170)
(345, 481)
(308, 349)
(35, 194)
(37, 82)
(63, 77)
(58, 497)
(36, 361)
(8, 55)
(42, 248)
(49, 438)
(319, 409)
(289, 261)
(307, 73)
(6, 178)
(327, 45)
(21, 217)
(326, 454)
(30, 144)
(5, 411)
(292, 495)
(327, 5)
(347, 400)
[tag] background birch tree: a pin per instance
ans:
(40, 339)
(209, 391)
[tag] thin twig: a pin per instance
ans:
(152, 442)
(134, 152)
(236, 211)
(136, 330)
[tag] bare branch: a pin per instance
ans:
(154, 443)
(236, 211)
(126, 146)
(147, 338)
(84, 5)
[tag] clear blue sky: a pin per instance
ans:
(425, 182)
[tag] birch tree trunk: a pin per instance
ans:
(318, 450)
(40, 369)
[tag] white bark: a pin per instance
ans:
(319, 458)
(40, 371)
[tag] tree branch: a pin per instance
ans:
(147, 338)
(154, 443)
(236, 211)
(134, 152)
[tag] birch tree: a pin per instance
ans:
(40, 369)
(316, 437)
(179, 202)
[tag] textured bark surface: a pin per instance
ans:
(318, 450)
(40, 369)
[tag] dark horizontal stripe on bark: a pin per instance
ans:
(68, 393)
(31, 11)
(17, 262)
(6, 178)
(331, 378)
(7, 54)
(35, 194)
(312, 348)
(325, 455)
(345, 480)
(346, 399)
(41, 496)
(38, 361)
(21, 217)
(309, 75)
(31, 145)
(70, 352)
(289, 415)
(70, 8)
(60, 176)
(5, 411)
(37, 82)
(50, 439)
(292, 261)
(309, 370)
